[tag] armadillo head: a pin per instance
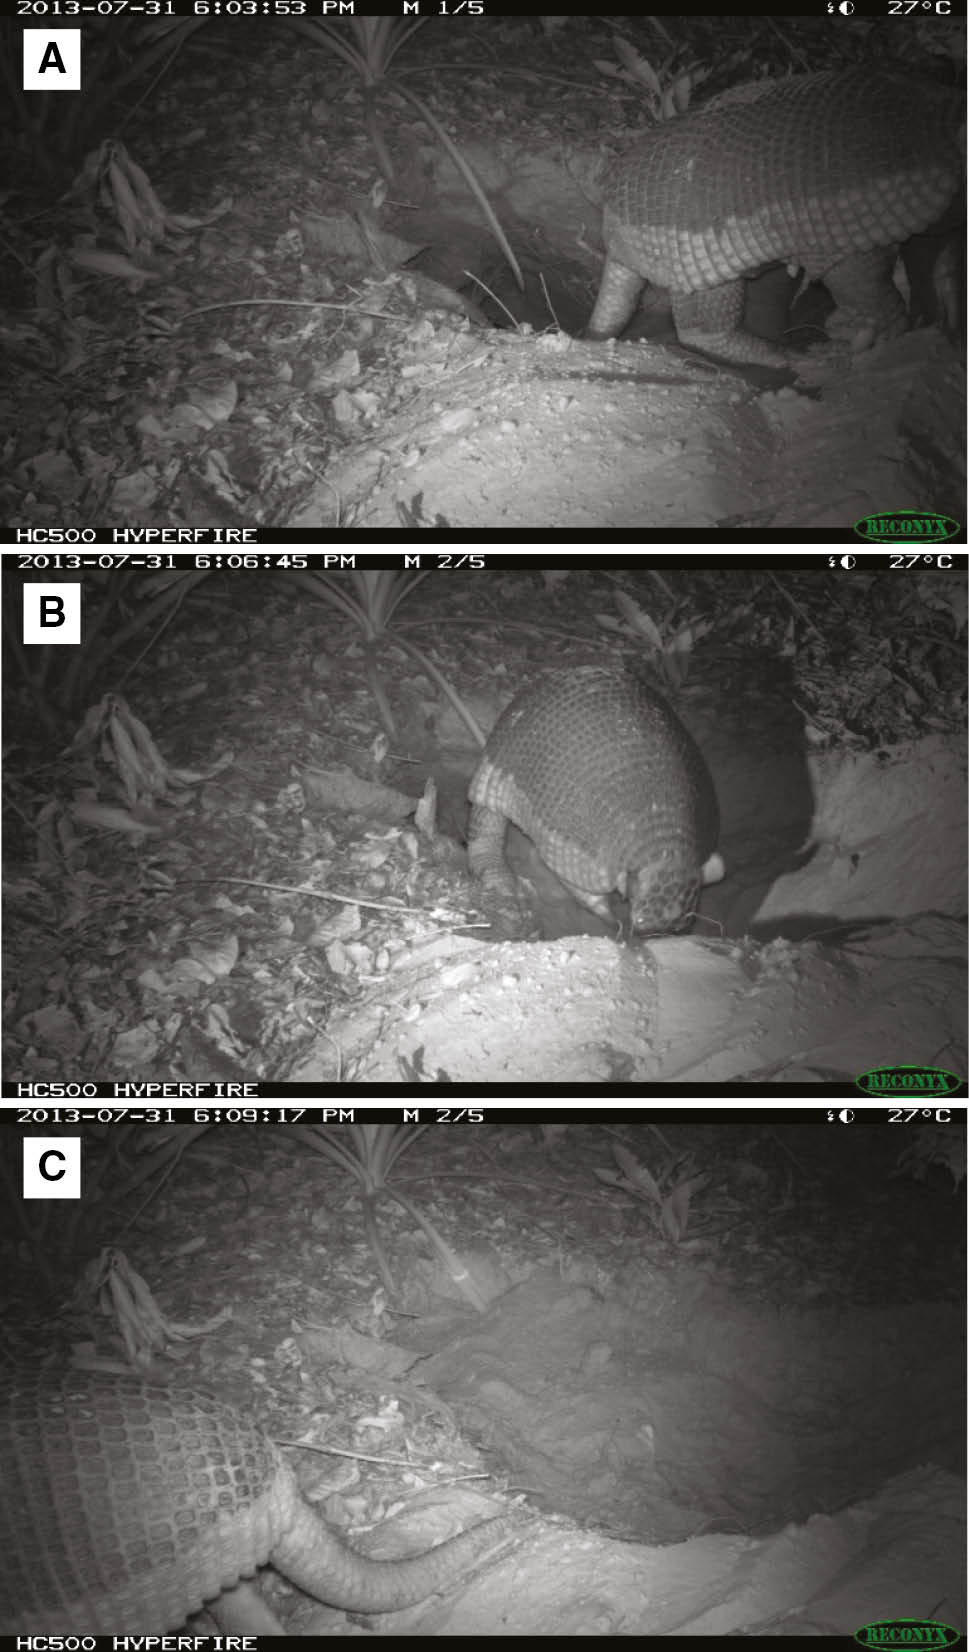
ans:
(661, 905)
(663, 896)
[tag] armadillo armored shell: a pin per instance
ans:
(125, 1507)
(596, 768)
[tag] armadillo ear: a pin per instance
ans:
(713, 870)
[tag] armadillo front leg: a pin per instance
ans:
(486, 847)
(619, 290)
(486, 859)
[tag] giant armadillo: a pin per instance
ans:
(828, 172)
(124, 1508)
(595, 767)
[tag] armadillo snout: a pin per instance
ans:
(663, 904)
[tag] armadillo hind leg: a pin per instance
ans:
(710, 321)
(869, 306)
(619, 290)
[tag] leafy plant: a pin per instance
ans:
(369, 1152)
(935, 1145)
(119, 1158)
(375, 43)
(119, 604)
(668, 1207)
(369, 599)
(118, 50)
(671, 653)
